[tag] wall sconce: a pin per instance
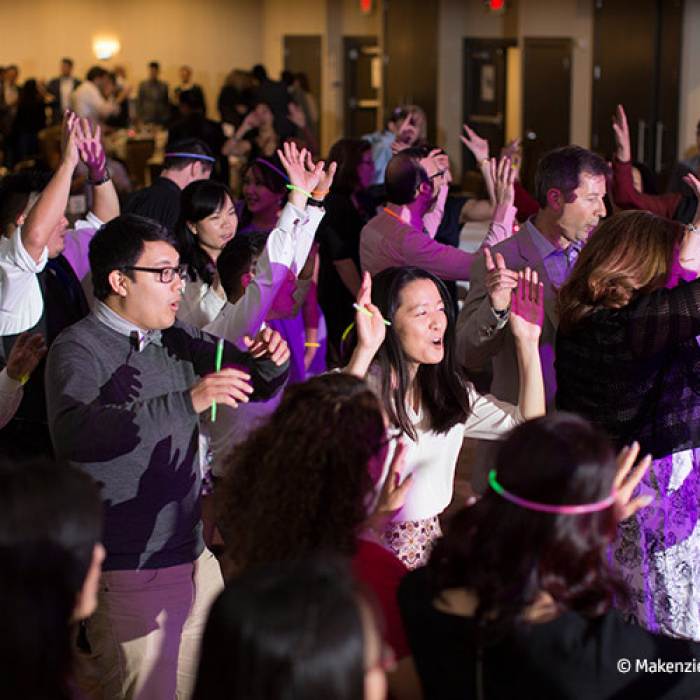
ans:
(105, 47)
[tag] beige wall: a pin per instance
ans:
(211, 35)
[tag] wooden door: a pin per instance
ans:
(362, 71)
(484, 108)
(546, 100)
(410, 44)
(624, 72)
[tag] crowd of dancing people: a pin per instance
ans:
(232, 419)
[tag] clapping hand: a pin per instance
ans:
(626, 481)
(325, 180)
(478, 146)
(623, 150)
(69, 139)
(500, 281)
(268, 343)
(371, 329)
(503, 177)
(393, 493)
(527, 307)
(514, 150)
(25, 355)
(91, 150)
(302, 172)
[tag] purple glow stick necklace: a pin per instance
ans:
(580, 509)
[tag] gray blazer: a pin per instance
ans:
(480, 340)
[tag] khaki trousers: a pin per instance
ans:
(145, 635)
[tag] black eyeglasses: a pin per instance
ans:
(165, 274)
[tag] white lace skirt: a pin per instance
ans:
(657, 551)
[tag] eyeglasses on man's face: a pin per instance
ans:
(165, 274)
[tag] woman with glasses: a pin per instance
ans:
(406, 350)
(517, 599)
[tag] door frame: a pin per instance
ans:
(469, 43)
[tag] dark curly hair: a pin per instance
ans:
(298, 484)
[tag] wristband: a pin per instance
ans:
(106, 177)
(319, 193)
(23, 379)
(299, 189)
(311, 202)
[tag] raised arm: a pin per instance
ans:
(479, 148)
(624, 194)
(287, 248)
(371, 331)
(47, 212)
(526, 318)
(503, 176)
(105, 199)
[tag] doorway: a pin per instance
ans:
(485, 93)
(546, 101)
(362, 81)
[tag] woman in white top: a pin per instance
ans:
(208, 221)
(412, 367)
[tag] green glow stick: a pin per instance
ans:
(219, 358)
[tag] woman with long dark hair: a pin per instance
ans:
(406, 349)
(517, 597)
(627, 357)
(348, 209)
(292, 630)
(50, 563)
(208, 221)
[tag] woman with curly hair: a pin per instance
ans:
(302, 484)
(627, 359)
(406, 349)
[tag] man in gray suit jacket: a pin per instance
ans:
(570, 184)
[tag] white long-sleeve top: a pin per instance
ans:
(287, 248)
(21, 302)
(432, 458)
(10, 397)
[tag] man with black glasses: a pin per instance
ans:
(125, 387)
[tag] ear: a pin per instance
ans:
(21, 218)
(555, 199)
(119, 283)
(192, 227)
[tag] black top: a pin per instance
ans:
(633, 371)
(160, 201)
(339, 238)
(570, 657)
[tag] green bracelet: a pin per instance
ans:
(298, 189)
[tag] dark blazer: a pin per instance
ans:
(54, 89)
